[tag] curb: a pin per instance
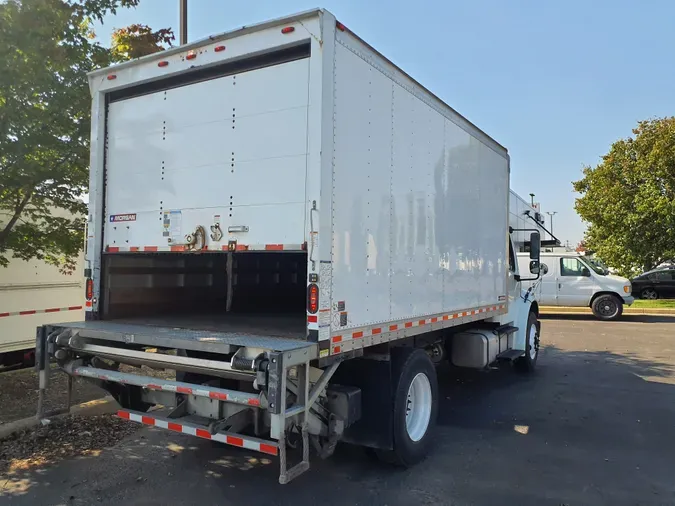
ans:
(626, 311)
(101, 406)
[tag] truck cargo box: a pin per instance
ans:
(308, 149)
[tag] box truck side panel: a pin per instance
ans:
(32, 294)
(418, 201)
(230, 151)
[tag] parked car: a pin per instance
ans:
(577, 281)
(656, 284)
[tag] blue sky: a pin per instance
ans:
(556, 82)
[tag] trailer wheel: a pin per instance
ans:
(528, 362)
(415, 407)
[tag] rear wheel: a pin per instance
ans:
(607, 307)
(649, 293)
(415, 408)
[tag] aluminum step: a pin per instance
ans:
(510, 355)
(505, 330)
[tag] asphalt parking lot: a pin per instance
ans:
(595, 425)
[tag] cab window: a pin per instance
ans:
(571, 267)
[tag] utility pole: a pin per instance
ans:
(532, 198)
(183, 22)
(551, 214)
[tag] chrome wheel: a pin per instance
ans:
(649, 293)
(418, 408)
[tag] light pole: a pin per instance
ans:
(183, 22)
(551, 214)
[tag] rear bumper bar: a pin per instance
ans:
(250, 443)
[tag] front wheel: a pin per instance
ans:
(415, 408)
(528, 362)
(607, 307)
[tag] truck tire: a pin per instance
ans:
(528, 362)
(607, 307)
(415, 407)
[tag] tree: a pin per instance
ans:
(135, 41)
(46, 49)
(628, 200)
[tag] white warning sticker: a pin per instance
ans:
(172, 224)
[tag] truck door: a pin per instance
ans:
(576, 284)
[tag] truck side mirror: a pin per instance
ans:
(535, 246)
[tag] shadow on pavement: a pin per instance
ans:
(586, 428)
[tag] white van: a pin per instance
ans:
(574, 280)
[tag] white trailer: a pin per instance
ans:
(309, 227)
(34, 293)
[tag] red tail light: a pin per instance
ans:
(288, 29)
(163, 63)
(312, 298)
(218, 49)
(89, 289)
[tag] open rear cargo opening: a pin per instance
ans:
(266, 294)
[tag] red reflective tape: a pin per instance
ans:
(32, 311)
(88, 303)
(150, 248)
(112, 249)
(184, 390)
(337, 339)
(203, 433)
(152, 386)
(408, 325)
(274, 247)
(2, 315)
(147, 420)
(218, 395)
(241, 247)
(52, 310)
(312, 319)
(134, 248)
(446, 316)
(422, 322)
(123, 414)
(235, 441)
(357, 335)
(336, 349)
(175, 426)
(269, 449)
(178, 247)
(393, 328)
(434, 320)
(74, 308)
(377, 331)
(254, 402)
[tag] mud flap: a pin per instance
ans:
(375, 429)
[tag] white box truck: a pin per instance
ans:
(34, 293)
(310, 228)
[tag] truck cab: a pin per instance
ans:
(574, 280)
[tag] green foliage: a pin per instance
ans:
(135, 41)
(46, 50)
(629, 199)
